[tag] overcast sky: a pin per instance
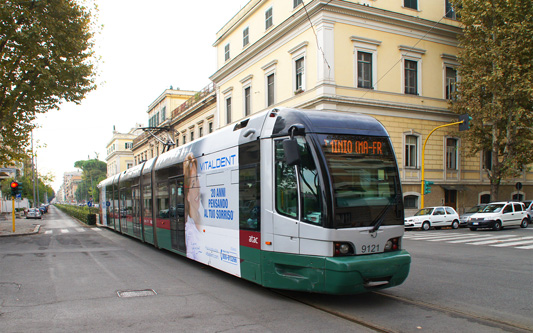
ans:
(145, 47)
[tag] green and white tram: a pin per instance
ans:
(290, 199)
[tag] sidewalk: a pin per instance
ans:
(23, 226)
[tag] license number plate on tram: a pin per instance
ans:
(369, 248)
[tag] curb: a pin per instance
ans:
(35, 231)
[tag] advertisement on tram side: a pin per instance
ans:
(212, 206)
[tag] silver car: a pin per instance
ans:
(463, 220)
(34, 213)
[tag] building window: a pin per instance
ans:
(184, 139)
(268, 18)
(487, 160)
(200, 132)
(270, 90)
(299, 74)
(247, 103)
(226, 52)
(128, 145)
(451, 12)
(296, 3)
(451, 80)
(410, 202)
(413, 4)
(364, 70)
(210, 127)
(411, 77)
(228, 110)
(163, 113)
(411, 151)
(451, 154)
(245, 36)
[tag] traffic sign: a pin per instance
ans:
(518, 186)
(90, 204)
(107, 203)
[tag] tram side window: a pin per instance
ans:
(309, 185)
(162, 201)
(147, 203)
(286, 185)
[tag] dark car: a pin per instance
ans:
(463, 220)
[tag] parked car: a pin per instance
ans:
(34, 213)
(498, 215)
(463, 220)
(529, 209)
(425, 218)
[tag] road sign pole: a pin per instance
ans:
(422, 187)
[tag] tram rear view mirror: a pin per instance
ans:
(292, 153)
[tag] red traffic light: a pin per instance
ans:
(14, 185)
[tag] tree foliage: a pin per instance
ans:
(94, 171)
(496, 83)
(46, 58)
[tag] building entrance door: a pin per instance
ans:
(450, 198)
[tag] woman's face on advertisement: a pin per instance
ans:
(193, 196)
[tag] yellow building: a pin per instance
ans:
(119, 151)
(394, 60)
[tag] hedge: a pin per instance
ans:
(85, 214)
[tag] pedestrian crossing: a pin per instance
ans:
(524, 242)
(63, 231)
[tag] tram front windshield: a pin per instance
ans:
(365, 180)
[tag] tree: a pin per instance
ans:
(46, 58)
(496, 84)
(94, 171)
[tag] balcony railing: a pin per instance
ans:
(193, 100)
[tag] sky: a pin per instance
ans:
(144, 47)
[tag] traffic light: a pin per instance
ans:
(14, 188)
(427, 186)
(466, 119)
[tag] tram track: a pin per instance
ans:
(503, 325)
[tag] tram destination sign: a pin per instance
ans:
(355, 145)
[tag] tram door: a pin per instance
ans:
(177, 214)
(136, 207)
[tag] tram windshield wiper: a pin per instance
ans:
(381, 217)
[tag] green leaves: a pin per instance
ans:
(496, 81)
(46, 58)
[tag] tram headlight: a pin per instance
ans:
(392, 244)
(343, 249)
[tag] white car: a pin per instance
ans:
(498, 215)
(437, 217)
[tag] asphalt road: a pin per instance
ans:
(70, 277)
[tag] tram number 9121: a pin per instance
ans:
(370, 248)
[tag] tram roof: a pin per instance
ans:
(327, 122)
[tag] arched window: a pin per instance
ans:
(410, 202)
(484, 198)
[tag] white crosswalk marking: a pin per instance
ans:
(47, 232)
(80, 229)
(520, 242)
(65, 231)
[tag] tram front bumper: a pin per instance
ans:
(335, 275)
(357, 274)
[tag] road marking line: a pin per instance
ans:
(529, 247)
(479, 238)
(522, 242)
(434, 236)
(47, 232)
(97, 229)
(65, 231)
(80, 229)
(497, 240)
